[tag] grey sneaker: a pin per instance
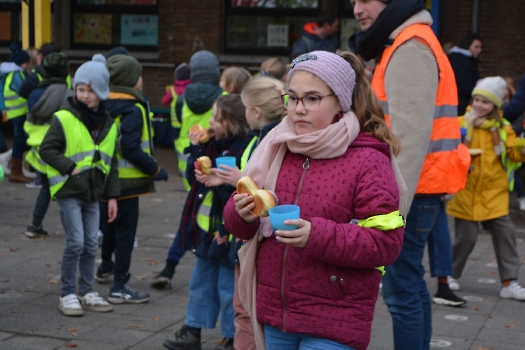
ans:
(93, 302)
(127, 296)
(184, 340)
(34, 232)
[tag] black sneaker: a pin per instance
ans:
(445, 296)
(184, 340)
(226, 344)
(127, 295)
(34, 232)
(163, 279)
(103, 277)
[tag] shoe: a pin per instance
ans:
(35, 184)
(521, 202)
(70, 305)
(184, 340)
(103, 277)
(32, 231)
(226, 344)
(513, 291)
(127, 295)
(445, 296)
(163, 279)
(93, 302)
(453, 284)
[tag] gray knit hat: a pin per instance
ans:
(95, 74)
(204, 67)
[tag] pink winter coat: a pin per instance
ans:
(329, 288)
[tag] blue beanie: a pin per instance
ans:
(18, 56)
(204, 67)
(95, 74)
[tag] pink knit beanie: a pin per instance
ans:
(332, 69)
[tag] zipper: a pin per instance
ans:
(306, 166)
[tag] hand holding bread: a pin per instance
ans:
(263, 200)
(199, 134)
(203, 164)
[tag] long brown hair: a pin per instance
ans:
(366, 106)
(233, 115)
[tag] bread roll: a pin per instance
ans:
(205, 133)
(262, 199)
(204, 163)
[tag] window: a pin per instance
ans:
(10, 21)
(266, 26)
(102, 24)
(349, 24)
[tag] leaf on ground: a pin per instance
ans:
(25, 290)
(156, 319)
(142, 278)
(147, 259)
(166, 220)
(135, 325)
(5, 281)
(16, 312)
(50, 275)
(483, 348)
(42, 238)
(510, 325)
(487, 317)
(492, 272)
(59, 233)
(31, 287)
(13, 249)
(70, 345)
(10, 226)
(476, 308)
(217, 341)
(54, 281)
(72, 329)
(494, 261)
(184, 299)
(1, 256)
(48, 265)
(153, 263)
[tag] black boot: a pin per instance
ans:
(186, 338)
(445, 296)
(163, 279)
(226, 344)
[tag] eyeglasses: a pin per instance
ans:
(310, 102)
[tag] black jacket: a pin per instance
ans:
(129, 143)
(88, 185)
(466, 72)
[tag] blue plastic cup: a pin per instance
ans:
(228, 161)
(284, 212)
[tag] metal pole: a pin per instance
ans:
(435, 11)
(475, 16)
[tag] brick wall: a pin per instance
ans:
(501, 28)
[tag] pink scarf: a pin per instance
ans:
(264, 167)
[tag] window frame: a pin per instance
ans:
(13, 7)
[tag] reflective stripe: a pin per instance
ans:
(183, 156)
(443, 145)
(105, 157)
(247, 153)
(12, 97)
(124, 163)
(145, 145)
(21, 105)
(446, 111)
(203, 213)
(55, 180)
(384, 105)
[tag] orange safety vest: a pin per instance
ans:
(447, 161)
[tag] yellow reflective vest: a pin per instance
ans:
(15, 105)
(40, 78)
(173, 112)
(126, 170)
(81, 148)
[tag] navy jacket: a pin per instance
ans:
(516, 106)
(466, 72)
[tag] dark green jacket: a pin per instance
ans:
(88, 185)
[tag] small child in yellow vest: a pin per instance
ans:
(485, 198)
(79, 148)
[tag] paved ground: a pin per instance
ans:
(29, 287)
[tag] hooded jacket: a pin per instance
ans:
(466, 71)
(329, 288)
(310, 41)
(129, 141)
(87, 185)
(45, 100)
(199, 97)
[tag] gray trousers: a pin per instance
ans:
(503, 240)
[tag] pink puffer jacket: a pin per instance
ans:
(329, 288)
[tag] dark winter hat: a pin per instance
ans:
(182, 72)
(46, 49)
(119, 50)
(204, 67)
(95, 74)
(124, 70)
(18, 56)
(55, 65)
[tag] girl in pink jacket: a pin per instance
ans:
(333, 156)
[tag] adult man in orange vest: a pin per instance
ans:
(416, 86)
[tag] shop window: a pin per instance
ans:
(102, 24)
(349, 24)
(10, 21)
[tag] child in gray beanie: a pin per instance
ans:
(79, 148)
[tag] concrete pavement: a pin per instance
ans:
(30, 269)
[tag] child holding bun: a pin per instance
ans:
(486, 195)
(212, 282)
(333, 156)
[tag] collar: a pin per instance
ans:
(422, 17)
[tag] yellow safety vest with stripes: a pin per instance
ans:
(81, 148)
(509, 165)
(36, 134)
(40, 78)
(126, 169)
(15, 105)
(173, 112)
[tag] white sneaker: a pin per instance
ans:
(70, 305)
(513, 291)
(453, 284)
(521, 202)
(93, 302)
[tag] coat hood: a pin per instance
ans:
(118, 103)
(50, 101)
(8, 67)
(367, 140)
(200, 96)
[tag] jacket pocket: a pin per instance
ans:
(79, 183)
(335, 282)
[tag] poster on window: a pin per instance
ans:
(276, 3)
(139, 30)
(92, 28)
(277, 35)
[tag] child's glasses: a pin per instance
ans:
(310, 102)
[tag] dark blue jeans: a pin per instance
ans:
(3, 145)
(42, 201)
(176, 252)
(19, 139)
(440, 246)
(119, 237)
(404, 289)
(518, 184)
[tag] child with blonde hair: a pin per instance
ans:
(233, 79)
(274, 67)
